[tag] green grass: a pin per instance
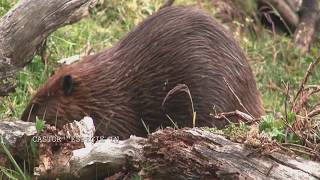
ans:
(5, 5)
(273, 57)
(12, 174)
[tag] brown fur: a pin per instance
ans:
(127, 83)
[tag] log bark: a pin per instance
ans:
(300, 17)
(16, 136)
(27, 25)
(287, 15)
(295, 5)
(166, 154)
(307, 27)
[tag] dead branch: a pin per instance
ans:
(241, 115)
(288, 16)
(297, 17)
(306, 29)
(235, 95)
(294, 4)
(27, 24)
(271, 85)
(304, 125)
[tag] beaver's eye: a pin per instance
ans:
(67, 85)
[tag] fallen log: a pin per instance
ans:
(307, 27)
(26, 26)
(298, 17)
(287, 16)
(294, 4)
(166, 154)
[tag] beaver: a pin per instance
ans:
(123, 88)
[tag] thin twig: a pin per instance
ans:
(313, 113)
(286, 103)
(273, 86)
(304, 81)
(298, 146)
(302, 149)
(238, 99)
(182, 88)
(238, 113)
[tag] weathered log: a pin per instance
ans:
(295, 5)
(16, 136)
(168, 154)
(298, 17)
(26, 26)
(12, 130)
(307, 26)
(287, 15)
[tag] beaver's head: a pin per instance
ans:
(62, 99)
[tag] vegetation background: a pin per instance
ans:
(272, 56)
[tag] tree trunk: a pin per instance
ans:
(27, 25)
(306, 28)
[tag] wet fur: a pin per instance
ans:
(127, 83)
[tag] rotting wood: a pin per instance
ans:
(166, 154)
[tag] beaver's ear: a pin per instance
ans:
(67, 85)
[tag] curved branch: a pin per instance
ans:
(27, 24)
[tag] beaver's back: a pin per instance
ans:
(180, 45)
